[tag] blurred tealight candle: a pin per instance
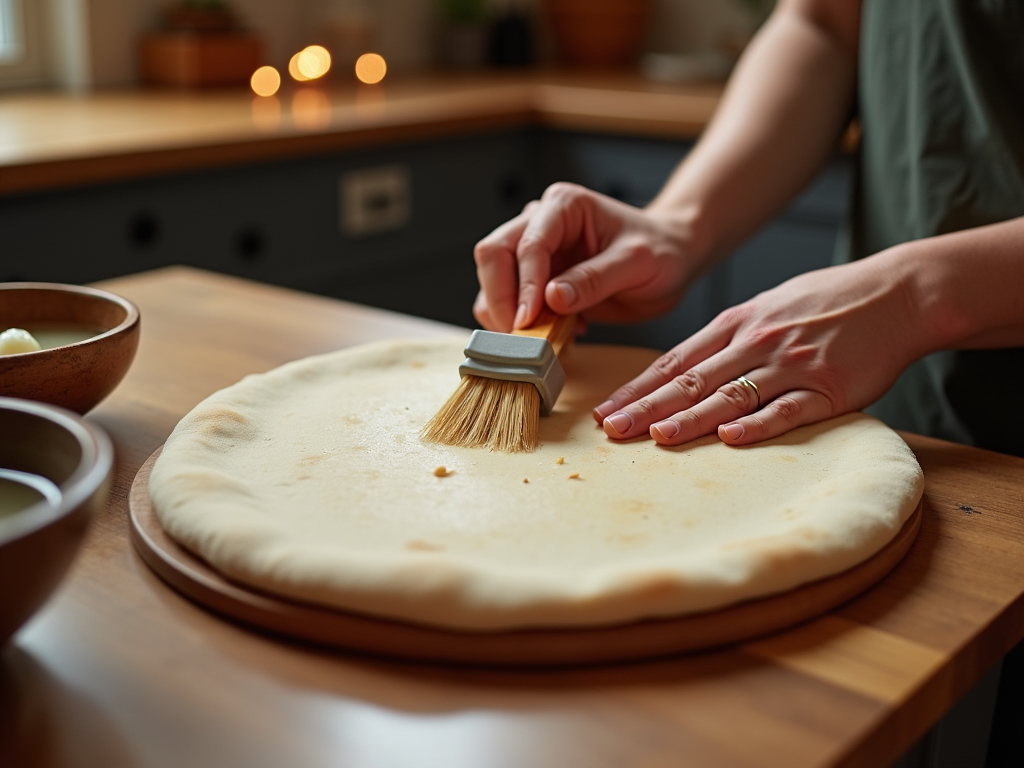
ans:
(293, 68)
(265, 81)
(314, 61)
(310, 63)
(371, 68)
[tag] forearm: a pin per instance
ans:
(967, 287)
(781, 117)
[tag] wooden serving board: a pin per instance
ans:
(195, 579)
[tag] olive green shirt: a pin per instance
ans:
(941, 104)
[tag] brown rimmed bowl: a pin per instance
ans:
(74, 376)
(39, 542)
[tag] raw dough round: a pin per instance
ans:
(311, 482)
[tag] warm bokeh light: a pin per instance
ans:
(266, 113)
(310, 63)
(265, 81)
(311, 109)
(371, 68)
(293, 68)
(314, 61)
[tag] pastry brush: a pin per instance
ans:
(508, 381)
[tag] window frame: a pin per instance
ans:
(10, 13)
(31, 66)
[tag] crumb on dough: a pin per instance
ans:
(423, 546)
(560, 460)
(526, 479)
(442, 471)
(574, 476)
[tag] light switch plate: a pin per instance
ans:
(374, 200)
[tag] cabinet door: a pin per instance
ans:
(283, 222)
(801, 239)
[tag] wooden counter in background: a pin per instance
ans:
(52, 141)
(119, 670)
(111, 183)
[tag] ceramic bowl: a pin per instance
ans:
(54, 447)
(77, 375)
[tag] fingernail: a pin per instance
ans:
(733, 431)
(620, 422)
(520, 317)
(604, 409)
(567, 292)
(667, 429)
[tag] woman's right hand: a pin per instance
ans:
(583, 252)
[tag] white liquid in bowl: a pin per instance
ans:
(14, 341)
(50, 336)
(20, 490)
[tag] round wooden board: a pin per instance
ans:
(195, 579)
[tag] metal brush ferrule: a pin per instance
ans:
(516, 358)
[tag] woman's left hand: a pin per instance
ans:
(817, 346)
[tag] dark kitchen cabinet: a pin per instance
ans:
(285, 223)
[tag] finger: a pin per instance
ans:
(678, 395)
(676, 364)
(542, 237)
(497, 272)
(559, 222)
(624, 266)
(482, 312)
(730, 401)
(786, 412)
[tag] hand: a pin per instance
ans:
(611, 261)
(817, 346)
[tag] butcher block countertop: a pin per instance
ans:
(52, 140)
(119, 670)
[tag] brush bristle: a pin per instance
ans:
(488, 413)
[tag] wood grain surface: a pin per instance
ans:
(119, 670)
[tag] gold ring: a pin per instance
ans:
(743, 381)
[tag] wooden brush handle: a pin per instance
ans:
(557, 329)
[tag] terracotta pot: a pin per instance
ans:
(191, 60)
(598, 33)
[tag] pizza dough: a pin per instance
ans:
(311, 482)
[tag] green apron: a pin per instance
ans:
(941, 104)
